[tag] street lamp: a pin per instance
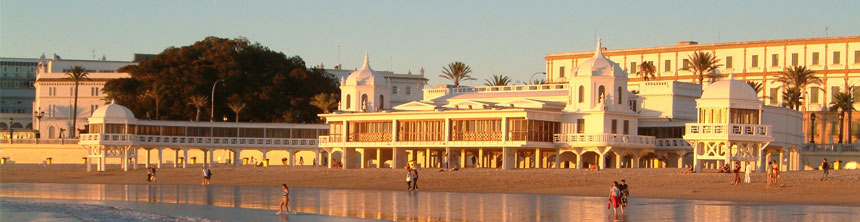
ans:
(10, 130)
(812, 131)
(841, 123)
(39, 114)
(225, 118)
(212, 111)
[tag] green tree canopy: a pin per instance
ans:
(269, 82)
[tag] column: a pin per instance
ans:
(398, 158)
(508, 158)
(558, 159)
(236, 160)
(175, 158)
(480, 158)
(462, 158)
(766, 160)
(89, 165)
(579, 160)
(329, 160)
(427, 160)
(159, 157)
(538, 159)
(617, 160)
(211, 158)
(264, 151)
(124, 159)
(147, 158)
(205, 157)
(601, 162)
(450, 157)
(102, 159)
(134, 166)
(379, 161)
(291, 158)
(681, 158)
(348, 158)
(782, 166)
(185, 155)
(317, 158)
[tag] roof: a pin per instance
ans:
(365, 76)
(730, 89)
(599, 65)
(529, 94)
(113, 111)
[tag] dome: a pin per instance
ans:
(365, 76)
(730, 89)
(113, 110)
(599, 65)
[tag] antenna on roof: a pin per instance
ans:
(338, 57)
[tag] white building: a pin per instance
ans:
(405, 87)
(595, 119)
(55, 93)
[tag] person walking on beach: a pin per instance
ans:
(152, 177)
(769, 173)
(148, 174)
(408, 178)
(775, 173)
(625, 192)
(737, 171)
(615, 198)
(826, 168)
(285, 200)
(414, 179)
(748, 172)
(207, 174)
(446, 161)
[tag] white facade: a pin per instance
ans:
(405, 87)
(55, 93)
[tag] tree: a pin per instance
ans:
(702, 63)
(289, 116)
(538, 82)
(498, 80)
(198, 101)
(798, 77)
(713, 77)
(236, 105)
(647, 70)
(156, 93)
(325, 101)
(76, 74)
(791, 98)
(844, 103)
(757, 86)
(457, 71)
(268, 81)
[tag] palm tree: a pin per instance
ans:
(713, 77)
(538, 82)
(76, 74)
(702, 63)
(498, 80)
(791, 98)
(290, 116)
(757, 86)
(156, 93)
(844, 103)
(798, 77)
(198, 102)
(457, 71)
(237, 106)
(647, 70)
(325, 102)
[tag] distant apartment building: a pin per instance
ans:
(836, 60)
(17, 92)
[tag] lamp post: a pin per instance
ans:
(39, 114)
(812, 131)
(10, 130)
(225, 118)
(212, 111)
(841, 123)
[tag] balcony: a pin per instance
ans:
(191, 141)
(605, 139)
(715, 131)
(832, 148)
(328, 141)
(672, 144)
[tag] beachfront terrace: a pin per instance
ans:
(604, 139)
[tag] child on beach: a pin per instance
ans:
(285, 200)
(615, 198)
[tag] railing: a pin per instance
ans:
(672, 143)
(839, 148)
(709, 129)
(604, 139)
(40, 141)
(513, 88)
(195, 141)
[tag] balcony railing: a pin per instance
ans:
(40, 141)
(513, 88)
(195, 141)
(723, 130)
(672, 143)
(604, 139)
(837, 148)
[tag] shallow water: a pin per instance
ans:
(229, 203)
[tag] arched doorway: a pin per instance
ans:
(590, 159)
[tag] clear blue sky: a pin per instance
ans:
(494, 37)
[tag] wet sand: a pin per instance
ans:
(801, 187)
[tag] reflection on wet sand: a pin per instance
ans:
(432, 206)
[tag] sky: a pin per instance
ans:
(493, 37)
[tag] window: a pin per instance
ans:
(408, 90)
(348, 101)
(794, 58)
(394, 90)
(686, 64)
(364, 102)
(814, 58)
(856, 93)
(774, 95)
(668, 65)
(857, 57)
(614, 126)
(580, 125)
(833, 91)
(633, 66)
(626, 127)
(836, 58)
(381, 102)
(774, 60)
(754, 61)
(581, 94)
(813, 95)
(561, 72)
(618, 96)
(728, 62)
(601, 93)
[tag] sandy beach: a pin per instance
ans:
(801, 187)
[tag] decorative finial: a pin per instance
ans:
(366, 61)
(599, 44)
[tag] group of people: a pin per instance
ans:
(150, 174)
(207, 175)
(772, 173)
(411, 178)
(618, 194)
